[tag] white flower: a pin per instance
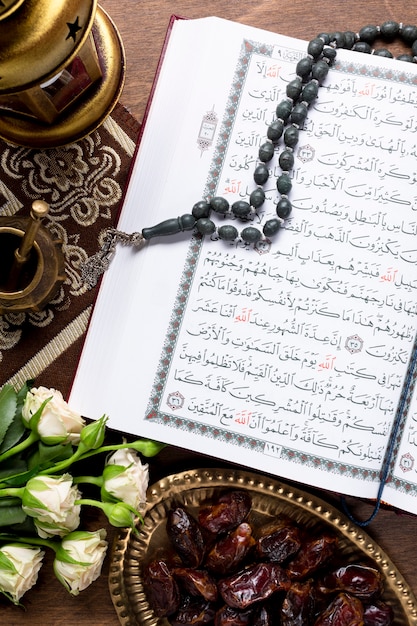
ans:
(79, 560)
(58, 423)
(50, 500)
(19, 567)
(125, 478)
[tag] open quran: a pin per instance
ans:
(296, 355)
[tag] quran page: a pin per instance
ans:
(289, 356)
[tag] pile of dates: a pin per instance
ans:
(223, 571)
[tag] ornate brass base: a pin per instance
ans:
(92, 109)
(39, 279)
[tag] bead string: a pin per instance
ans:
(290, 116)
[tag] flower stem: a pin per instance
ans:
(12, 492)
(33, 541)
(62, 465)
(146, 447)
(90, 480)
(32, 438)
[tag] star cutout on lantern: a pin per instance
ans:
(73, 29)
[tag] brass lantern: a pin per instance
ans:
(62, 70)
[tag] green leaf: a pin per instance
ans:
(12, 515)
(22, 393)
(45, 456)
(17, 428)
(11, 467)
(14, 433)
(8, 405)
(20, 478)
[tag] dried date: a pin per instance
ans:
(226, 513)
(313, 554)
(378, 614)
(359, 580)
(161, 588)
(298, 605)
(196, 582)
(253, 584)
(229, 552)
(278, 541)
(194, 611)
(185, 536)
(344, 610)
(229, 616)
(225, 571)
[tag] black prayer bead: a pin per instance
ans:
(330, 54)
(315, 47)
(299, 113)
(275, 130)
(205, 226)
(368, 33)
(291, 136)
(284, 109)
(240, 208)
(219, 204)
(339, 39)
(389, 30)
(294, 88)
(362, 46)
(284, 208)
(284, 184)
(304, 66)
(409, 34)
(261, 174)
(405, 57)
(201, 209)
(383, 52)
(310, 91)
(325, 37)
(250, 234)
(257, 198)
(350, 39)
(414, 49)
(227, 232)
(286, 160)
(320, 70)
(271, 227)
(266, 152)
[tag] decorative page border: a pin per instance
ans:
(171, 420)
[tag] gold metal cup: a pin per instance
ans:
(32, 265)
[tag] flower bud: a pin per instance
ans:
(125, 479)
(50, 500)
(79, 559)
(19, 567)
(119, 515)
(46, 412)
(92, 435)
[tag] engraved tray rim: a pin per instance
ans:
(125, 584)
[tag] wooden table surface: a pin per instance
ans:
(142, 25)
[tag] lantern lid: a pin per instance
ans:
(39, 38)
(8, 6)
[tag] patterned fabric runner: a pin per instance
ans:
(83, 183)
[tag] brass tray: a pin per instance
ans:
(269, 497)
